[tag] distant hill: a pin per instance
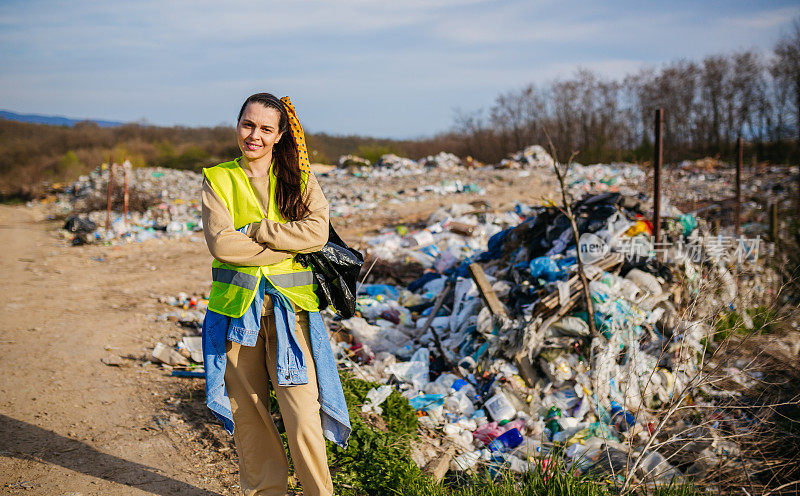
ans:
(53, 120)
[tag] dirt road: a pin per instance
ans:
(69, 424)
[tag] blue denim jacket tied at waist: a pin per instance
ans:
(291, 364)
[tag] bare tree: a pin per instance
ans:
(786, 71)
(711, 103)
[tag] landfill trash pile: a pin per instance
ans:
(349, 194)
(353, 161)
(361, 190)
(580, 179)
(453, 234)
(492, 346)
(391, 163)
(442, 160)
(719, 182)
(703, 186)
(625, 178)
(531, 156)
(164, 202)
(491, 342)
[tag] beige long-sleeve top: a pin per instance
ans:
(266, 242)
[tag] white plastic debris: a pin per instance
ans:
(375, 397)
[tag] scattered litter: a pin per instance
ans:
(195, 374)
(375, 397)
(491, 342)
(168, 355)
(490, 339)
(191, 347)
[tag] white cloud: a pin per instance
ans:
(607, 68)
(516, 23)
(769, 19)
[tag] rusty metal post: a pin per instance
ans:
(773, 221)
(738, 211)
(126, 166)
(657, 158)
(797, 196)
(110, 185)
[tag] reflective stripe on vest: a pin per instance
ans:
(293, 279)
(234, 277)
(233, 287)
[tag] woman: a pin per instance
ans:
(263, 324)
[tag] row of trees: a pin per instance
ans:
(708, 104)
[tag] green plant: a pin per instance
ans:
(549, 477)
(763, 318)
(374, 152)
(376, 462)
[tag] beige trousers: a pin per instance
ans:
(263, 467)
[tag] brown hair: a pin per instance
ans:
(289, 187)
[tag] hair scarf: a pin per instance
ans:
(299, 137)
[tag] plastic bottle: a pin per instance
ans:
(551, 421)
(507, 440)
(621, 418)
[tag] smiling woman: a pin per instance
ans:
(263, 121)
(257, 132)
(263, 323)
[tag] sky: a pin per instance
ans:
(400, 69)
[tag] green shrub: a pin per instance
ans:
(376, 462)
(374, 152)
(764, 322)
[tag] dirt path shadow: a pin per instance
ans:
(29, 442)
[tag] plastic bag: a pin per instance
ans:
(375, 397)
(545, 268)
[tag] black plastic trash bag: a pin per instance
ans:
(336, 267)
(77, 225)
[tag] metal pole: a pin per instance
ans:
(738, 211)
(658, 156)
(110, 183)
(773, 221)
(797, 195)
(126, 168)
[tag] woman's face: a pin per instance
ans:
(257, 131)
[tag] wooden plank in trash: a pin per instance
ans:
(526, 370)
(486, 291)
(438, 467)
(462, 228)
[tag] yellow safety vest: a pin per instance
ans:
(233, 287)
